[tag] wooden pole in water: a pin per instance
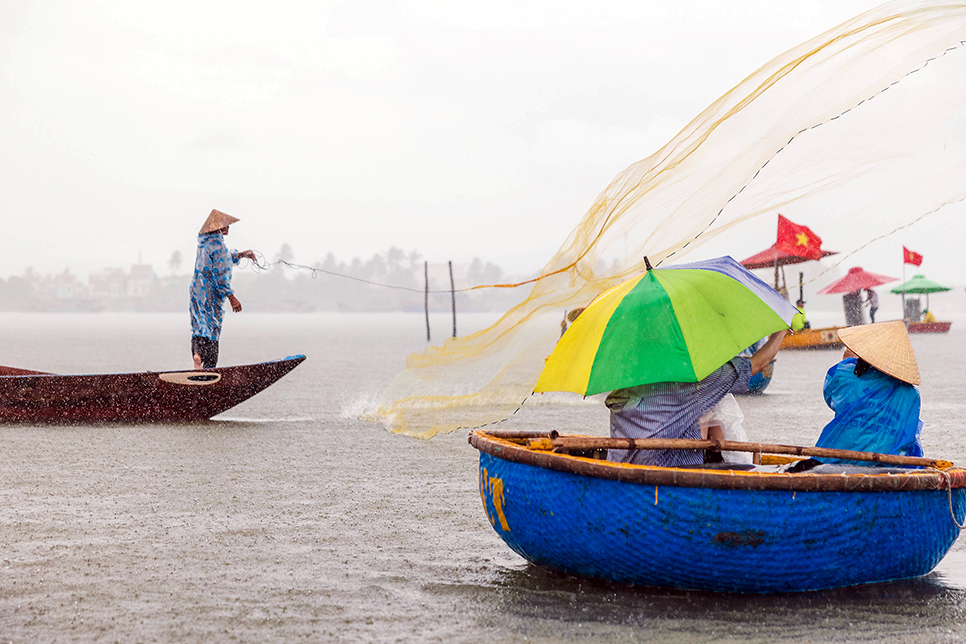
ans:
(426, 297)
(452, 293)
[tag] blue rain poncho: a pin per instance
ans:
(211, 285)
(874, 412)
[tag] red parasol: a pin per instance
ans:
(772, 257)
(856, 280)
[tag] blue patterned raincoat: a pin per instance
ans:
(211, 285)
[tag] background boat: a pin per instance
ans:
(823, 338)
(912, 311)
(929, 327)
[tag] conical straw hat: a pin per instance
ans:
(216, 221)
(886, 347)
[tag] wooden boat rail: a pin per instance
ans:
(584, 443)
(548, 450)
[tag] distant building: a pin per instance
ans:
(117, 289)
(108, 284)
(141, 281)
(68, 288)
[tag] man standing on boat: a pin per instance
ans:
(211, 286)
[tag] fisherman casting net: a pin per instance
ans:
(863, 123)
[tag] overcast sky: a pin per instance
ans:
(456, 129)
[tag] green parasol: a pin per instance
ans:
(919, 284)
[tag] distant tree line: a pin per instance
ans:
(393, 280)
(390, 281)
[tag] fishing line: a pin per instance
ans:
(260, 265)
(812, 127)
(883, 236)
(497, 422)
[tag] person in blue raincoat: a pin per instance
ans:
(211, 286)
(873, 393)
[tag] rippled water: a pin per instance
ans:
(288, 519)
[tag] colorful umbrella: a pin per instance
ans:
(856, 280)
(919, 284)
(674, 324)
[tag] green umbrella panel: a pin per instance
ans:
(919, 284)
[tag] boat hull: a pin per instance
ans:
(725, 540)
(929, 327)
(825, 338)
(134, 397)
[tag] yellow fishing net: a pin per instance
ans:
(862, 124)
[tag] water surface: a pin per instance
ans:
(288, 519)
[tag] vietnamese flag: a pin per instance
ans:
(910, 257)
(798, 240)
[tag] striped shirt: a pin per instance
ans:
(671, 410)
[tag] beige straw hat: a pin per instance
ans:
(216, 221)
(886, 347)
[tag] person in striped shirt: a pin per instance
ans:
(673, 409)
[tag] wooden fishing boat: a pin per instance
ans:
(929, 327)
(707, 528)
(33, 396)
(824, 338)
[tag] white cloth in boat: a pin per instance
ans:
(671, 410)
(727, 415)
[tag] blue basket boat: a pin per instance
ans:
(760, 381)
(723, 530)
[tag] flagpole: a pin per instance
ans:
(903, 281)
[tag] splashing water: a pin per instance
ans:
(862, 124)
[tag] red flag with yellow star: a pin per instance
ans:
(798, 240)
(911, 257)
